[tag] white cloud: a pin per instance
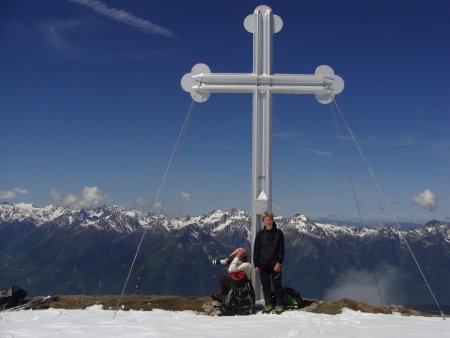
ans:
(21, 191)
(54, 33)
(227, 147)
(362, 286)
(56, 197)
(5, 195)
(185, 196)
(290, 135)
(141, 201)
(157, 206)
(426, 199)
(10, 194)
(124, 17)
(278, 207)
(90, 197)
(320, 152)
(71, 200)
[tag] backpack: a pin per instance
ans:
(292, 298)
(11, 297)
(240, 300)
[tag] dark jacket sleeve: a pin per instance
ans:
(281, 247)
(256, 250)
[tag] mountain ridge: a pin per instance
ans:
(126, 220)
(89, 251)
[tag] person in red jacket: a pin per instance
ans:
(267, 259)
(237, 263)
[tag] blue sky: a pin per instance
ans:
(91, 106)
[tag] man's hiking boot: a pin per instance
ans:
(267, 309)
(279, 309)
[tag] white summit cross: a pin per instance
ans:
(262, 83)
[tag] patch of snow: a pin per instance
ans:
(87, 223)
(214, 217)
(181, 222)
(25, 211)
(222, 226)
(95, 322)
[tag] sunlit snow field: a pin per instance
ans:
(96, 322)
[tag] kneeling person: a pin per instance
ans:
(240, 298)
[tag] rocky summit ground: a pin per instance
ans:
(130, 302)
(203, 304)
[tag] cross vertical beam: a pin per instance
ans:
(261, 24)
(324, 84)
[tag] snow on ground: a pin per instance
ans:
(96, 322)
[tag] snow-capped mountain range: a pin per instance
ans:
(122, 220)
(58, 250)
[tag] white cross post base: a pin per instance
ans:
(200, 82)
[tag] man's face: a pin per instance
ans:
(267, 221)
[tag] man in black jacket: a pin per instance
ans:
(268, 258)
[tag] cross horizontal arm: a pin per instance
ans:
(252, 79)
(250, 88)
(201, 82)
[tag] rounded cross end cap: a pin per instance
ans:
(324, 98)
(278, 24)
(249, 23)
(324, 70)
(188, 83)
(200, 68)
(338, 85)
(263, 8)
(199, 97)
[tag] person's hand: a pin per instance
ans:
(240, 253)
(277, 267)
(257, 269)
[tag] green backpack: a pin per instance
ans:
(291, 298)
